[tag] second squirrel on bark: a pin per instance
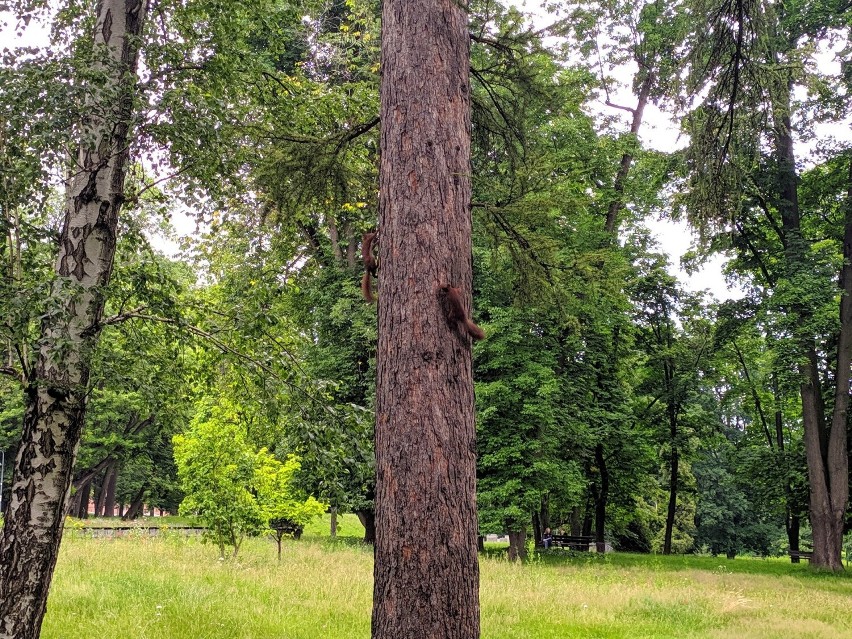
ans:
(456, 314)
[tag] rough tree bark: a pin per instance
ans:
(792, 525)
(426, 570)
(56, 391)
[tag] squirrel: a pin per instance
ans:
(456, 314)
(371, 266)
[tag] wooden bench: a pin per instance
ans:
(571, 542)
(801, 554)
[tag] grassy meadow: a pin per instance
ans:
(171, 586)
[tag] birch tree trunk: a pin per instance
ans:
(426, 570)
(56, 391)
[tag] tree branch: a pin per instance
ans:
(11, 371)
(121, 317)
(496, 102)
(630, 110)
(135, 197)
(218, 343)
(88, 475)
(491, 42)
(355, 132)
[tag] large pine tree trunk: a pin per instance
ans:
(426, 571)
(56, 393)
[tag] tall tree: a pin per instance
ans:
(748, 64)
(640, 36)
(58, 381)
(426, 570)
(757, 394)
(643, 36)
(677, 341)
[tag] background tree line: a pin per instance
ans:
(610, 401)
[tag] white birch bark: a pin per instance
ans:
(56, 391)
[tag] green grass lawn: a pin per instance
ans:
(172, 586)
